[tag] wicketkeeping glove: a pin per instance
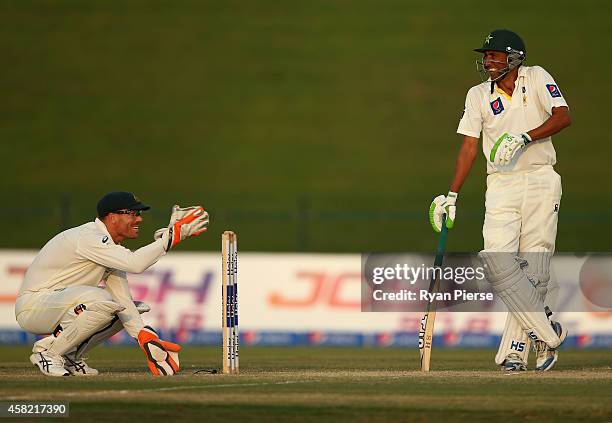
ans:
(506, 147)
(184, 222)
(443, 205)
(162, 356)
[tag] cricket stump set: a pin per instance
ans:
(229, 301)
(229, 298)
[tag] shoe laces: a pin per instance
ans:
(540, 347)
(71, 358)
(56, 360)
(514, 357)
(77, 364)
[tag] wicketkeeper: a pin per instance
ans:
(60, 295)
(516, 110)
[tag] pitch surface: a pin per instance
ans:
(322, 384)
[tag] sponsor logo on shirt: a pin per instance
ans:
(553, 90)
(104, 239)
(80, 308)
(497, 106)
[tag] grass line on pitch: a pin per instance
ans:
(149, 390)
(337, 385)
(182, 388)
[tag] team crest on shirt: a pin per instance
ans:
(553, 90)
(497, 106)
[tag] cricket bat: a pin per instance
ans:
(428, 320)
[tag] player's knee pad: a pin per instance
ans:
(513, 287)
(502, 270)
(552, 292)
(537, 268)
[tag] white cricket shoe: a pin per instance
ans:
(514, 363)
(49, 364)
(78, 367)
(546, 357)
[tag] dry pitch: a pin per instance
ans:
(321, 384)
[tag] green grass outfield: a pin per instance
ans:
(322, 384)
(320, 125)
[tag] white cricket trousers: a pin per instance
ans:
(41, 312)
(521, 216)
(522, 211)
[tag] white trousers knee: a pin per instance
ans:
(41, 312)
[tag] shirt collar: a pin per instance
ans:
(522, 73)
(103, 228)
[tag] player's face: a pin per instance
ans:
(128, 224)
(495, 62)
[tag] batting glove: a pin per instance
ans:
(506, 147)
(162, 356)
(184, 222)
(443, 205)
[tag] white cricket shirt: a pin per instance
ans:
(493, 114)
(87, 255)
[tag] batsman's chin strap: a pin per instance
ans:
(499, 78)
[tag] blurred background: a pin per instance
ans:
(318, 126)
(316, 130)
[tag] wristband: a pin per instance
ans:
(526, 138)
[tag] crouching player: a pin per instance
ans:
(60, 295)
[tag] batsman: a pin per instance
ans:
(516, 110)
(61, 297)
